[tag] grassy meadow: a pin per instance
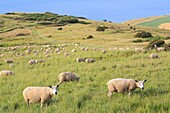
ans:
(89, 95)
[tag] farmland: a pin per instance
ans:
(89, 95)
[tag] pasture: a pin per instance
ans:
(89, 95)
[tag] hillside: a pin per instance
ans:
(36, 48)
(30, 29)
(161, 22)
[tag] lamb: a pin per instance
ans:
(153, 56)
(6, 73)
(35, 94)
(122, 85)
(67, 77)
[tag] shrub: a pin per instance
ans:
(60, 28)
(167, 38)
(100, 28)
(138, 41)
(158, 43)
(143, 34)
(89, 37)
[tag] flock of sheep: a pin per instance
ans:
(34, 94)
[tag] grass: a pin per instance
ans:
(156, 22)
(90, 94)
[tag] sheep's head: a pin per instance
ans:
(54, 89)
(77, 79)
(140, 84)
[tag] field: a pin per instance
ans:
(89, 95)
(156, 22)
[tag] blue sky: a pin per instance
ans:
(111, 10)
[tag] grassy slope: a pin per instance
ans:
(90, 94)
(156, 22)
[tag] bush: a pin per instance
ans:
(60, 28)
(143, 34)
(89, 37)
(138, 41)
(99, 28)
(158, 43)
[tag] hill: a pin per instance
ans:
(155, 21)
(53, 47)
(36, 28)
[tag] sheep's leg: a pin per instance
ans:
(28, 103)
(42, 102)
(111, 89)
(129, 92)
(109, 94)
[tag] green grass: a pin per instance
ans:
(156, 22)
(90, 94)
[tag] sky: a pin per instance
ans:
(110, 10)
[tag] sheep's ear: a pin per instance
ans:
(50, 86)
(58, 86)
(136, 80)
(144, 80)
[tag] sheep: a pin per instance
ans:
(34, 94)
(6, 73)
(153, 56)
(159, 48)
(139, 49)
(104, 51)
(73, 50)
(9, 61)
(31, 62)
(39, 61)
(122, 85)
(67, 77)
(90, 60)
(80, 60)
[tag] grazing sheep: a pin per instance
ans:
(67, 77)
(122, 85)
(73, 50)
(31, 62)
(80, 60)
(159, 48)
(6, 73)
(90, 60)
(153, 56)
(9, 61)
(35, 94)
(39, 61)
(139, 49)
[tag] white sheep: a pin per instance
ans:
(6, 73)
(31, 62)
(124, 85)
(80, 59)
(90, 60)
(67, 77)
(153, 56)
(35, 94)
(39, 61)
(9, 61)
